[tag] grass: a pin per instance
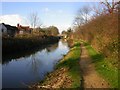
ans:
(71, 61)
(104, 67)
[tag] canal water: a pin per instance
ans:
(27, 70)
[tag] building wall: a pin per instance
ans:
(11, 33)
(3, 29)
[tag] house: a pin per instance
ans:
(3, 29)
(8, 30)
(24, 29)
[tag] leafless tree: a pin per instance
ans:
(86, 11)
(97, 10)
(105, 7)
(34, 20)
(78, 21)
(82, 16)
(111, 6)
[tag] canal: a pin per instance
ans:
(30, 69)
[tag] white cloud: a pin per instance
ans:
(46, 9)
(60, 11)
(13, 20)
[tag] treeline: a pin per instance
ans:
(47, 31)
(100, 30)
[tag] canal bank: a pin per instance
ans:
(66, 74)
(19, 44)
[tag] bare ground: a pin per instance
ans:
(91, 79)
(56, 79)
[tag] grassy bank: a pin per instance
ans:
(67, 72)
(21, 44)
(71, 61)
(104, 67)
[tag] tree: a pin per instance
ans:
(97, 10)
(106, 7)
(110, 7)
(69, 30)
(86, 11)
(54, 30)
(34, 20)
(78, 21)
(82, 16)
(51, 30)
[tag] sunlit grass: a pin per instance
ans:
(71, 61)
(104, 67)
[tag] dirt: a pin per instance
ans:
(56, 79)
(91, 79)
(60, 79)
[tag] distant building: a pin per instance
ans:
(24, 29)
(7, 30)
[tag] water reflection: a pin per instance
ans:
(34, 63)
(33, 68)
(52, 47)
(15, 56)
(0, 76)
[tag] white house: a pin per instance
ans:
(8, 30)
(3, 29)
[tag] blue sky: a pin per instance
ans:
(60, 14)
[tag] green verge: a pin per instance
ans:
(71, 61)
(103, 66)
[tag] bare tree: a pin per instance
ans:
(97, 10)
(82, 16)
(105, 7)
(34, 19)
(86, 11)
(110, 6)
(78, 21)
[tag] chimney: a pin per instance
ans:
(18, 25)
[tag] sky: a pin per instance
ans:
(59, 14)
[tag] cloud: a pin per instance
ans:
(13, 20)
(60, 11)
(46, 9)
(63, 27)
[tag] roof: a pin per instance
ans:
(9, 27)
(20, 27)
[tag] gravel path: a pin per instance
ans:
(91, 79)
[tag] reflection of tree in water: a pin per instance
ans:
(52, 48)
(0, 61)
(35, 65)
